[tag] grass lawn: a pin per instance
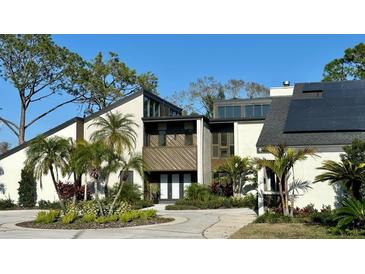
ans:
(288, 231)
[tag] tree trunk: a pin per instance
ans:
(355, 190)
(281, 194)
(85, 191)
(286, 196)
(123, 180)
(106, 190)
(96, 191)
(21, 137)
(292, 205)
(56, 188)
(77, 184)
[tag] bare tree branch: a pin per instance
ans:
(10, 125)
(42, 97)
(51, 110)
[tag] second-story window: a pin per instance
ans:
(222, 144)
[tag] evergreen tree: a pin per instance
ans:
(27, 190)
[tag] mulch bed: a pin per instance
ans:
(79, 225)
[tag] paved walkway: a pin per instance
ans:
(188, 224)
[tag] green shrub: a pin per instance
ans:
(27, 190)
(325, 217)
(88, 218)
(142, 204)
(131, 193)
(197, 192)
(125, 217)
(148, 213)
(214, 202)
(181, 207)
(123, 207)
(7, 203)
(273, 218)
(249, 201)
(44, 217)
(42, 204)
(351, 214)
(135, 214)
(69, 217)
(107, 219)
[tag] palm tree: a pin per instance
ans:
(91, 156)
(352, 212)
(295, 188)
(48, 155)
(237, 171)
(134, 162)
(72, 167)
(117, 132)
(284, 160)
(350, 175)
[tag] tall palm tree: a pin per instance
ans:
(350, 175)
(116, 131)
(284, 160)
(91, 156)
(135, 162)
(48, 155)
(237, 171)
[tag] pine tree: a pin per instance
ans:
(27, 190)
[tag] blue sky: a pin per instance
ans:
(178, 60)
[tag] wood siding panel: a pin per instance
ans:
(172, 140)
(171, 158)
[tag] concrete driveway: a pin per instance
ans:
(188, 224)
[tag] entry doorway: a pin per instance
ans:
(173, 185)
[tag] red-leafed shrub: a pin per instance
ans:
(225, 190)
(67, 191)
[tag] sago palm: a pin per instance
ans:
(352, 213)
(116, 130)
(237, 170)
(284, 160)
(350, 175)
(48, 155)
(134, 162)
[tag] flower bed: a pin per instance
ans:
(87, 215)
(94, 225)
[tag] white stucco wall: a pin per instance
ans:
(14, 163)
(207, 150)
(281, 91)
(321, 194)
(245, 138)
(199, 142)
(135, 108)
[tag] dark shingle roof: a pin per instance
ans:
(327, 106)
(273, 130)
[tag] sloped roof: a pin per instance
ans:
(282, 110)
